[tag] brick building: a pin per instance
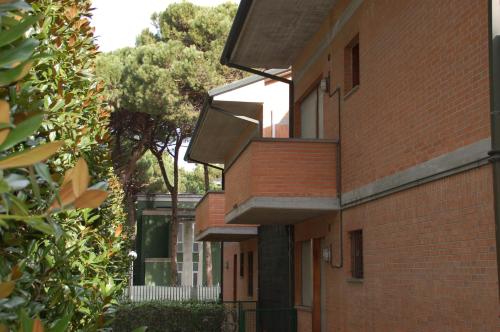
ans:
(233, 115)
(384, 180)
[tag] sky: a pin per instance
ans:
(118, 22)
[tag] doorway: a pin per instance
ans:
(235, 278)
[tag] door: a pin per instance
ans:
(316, 307)
(311, 115)
(235, 278)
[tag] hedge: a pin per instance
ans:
(170, 317)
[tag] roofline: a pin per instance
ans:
(220, 90)
(163, 196)
(203, 112)
(245, 82)
(236, 28)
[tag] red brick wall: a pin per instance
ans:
(210, 212)
(282, 168)
(429, 260)
(236, 248)
(424, 83)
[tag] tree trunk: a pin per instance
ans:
(174, 191)
(174, 221)
(207, 247)
(206, 178)
(130, 205)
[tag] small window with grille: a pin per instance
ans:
(357, 254)
(242, 264)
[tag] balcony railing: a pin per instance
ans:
(281, 181)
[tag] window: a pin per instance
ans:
(180, 233)
(180, 238)
(250, 273)
(242, 262)
(179, 278)
(196, 247)
(311, 115)
(306, 273)
(357, 254)
(351, 65)
(195, 266)
(195, 278)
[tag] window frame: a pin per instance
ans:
(250, 274)
(357, 261)
(304, 281)
(319, 114)
(242, 264)
(352, 66)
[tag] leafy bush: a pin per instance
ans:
(170, 317)
(63, 257)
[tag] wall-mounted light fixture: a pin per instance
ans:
(226, 265)
(326, 253)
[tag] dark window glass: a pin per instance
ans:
(357, 254)
(355, 65)
(242, 262)
(250, 273)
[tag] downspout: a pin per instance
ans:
(494, 60)
(339, 176)
(221, 295)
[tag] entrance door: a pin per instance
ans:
(235, 278)
(316, 307)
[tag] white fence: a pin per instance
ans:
(167, 293)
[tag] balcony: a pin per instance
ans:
(281, 181)
(210, 224)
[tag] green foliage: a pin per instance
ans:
(190, 181)
(60, 268)
(170, 317)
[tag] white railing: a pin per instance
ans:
(168, 293)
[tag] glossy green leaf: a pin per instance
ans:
(141, 329)
(16, 181)
(22, 131)
(16, 32)
(43, 171)
(10, 58)
(61, 325)
(40, 225)
(31, 156)
(13, 75)
(26, 322)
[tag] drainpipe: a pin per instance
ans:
(339, 175)
(221, 296)
(494, 55)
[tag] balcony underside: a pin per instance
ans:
(280, 210)
(227, 234)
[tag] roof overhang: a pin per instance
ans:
(281, 210)
(271, 34)
(221, 124)
(227, 234)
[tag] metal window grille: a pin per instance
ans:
(357, 254)
(242, 262)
